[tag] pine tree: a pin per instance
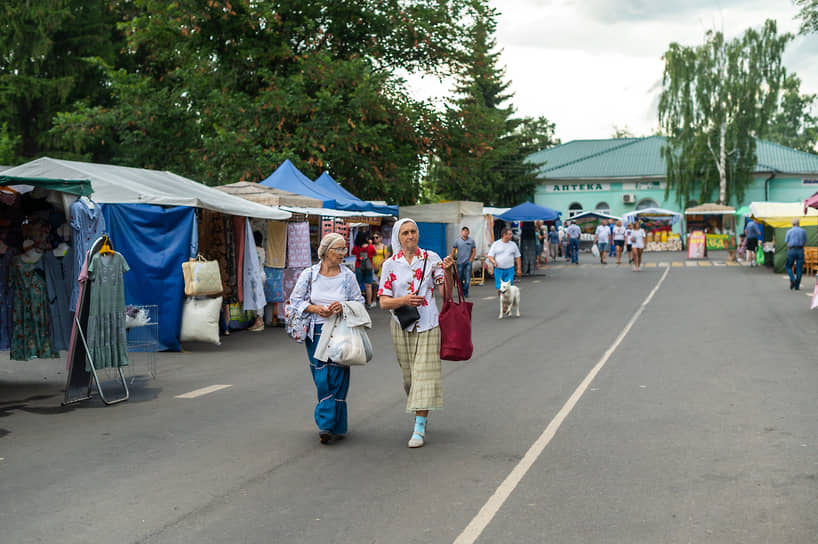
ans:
(482, 150)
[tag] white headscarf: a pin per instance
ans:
(326, 242)
(396, 232)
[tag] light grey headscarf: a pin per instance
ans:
(326, 243)
(396, 232)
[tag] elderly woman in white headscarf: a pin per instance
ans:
(320, 290)
(408, 280)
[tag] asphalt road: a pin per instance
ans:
(699, 425)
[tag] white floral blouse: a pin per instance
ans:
(399, 278)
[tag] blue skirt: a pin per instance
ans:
(332, 385)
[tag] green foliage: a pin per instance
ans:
(624, 132)
(8, 143)
(482, 148)
(222, 91)
(808, 15)
(794, 125)
(44, 67)
(716, 99)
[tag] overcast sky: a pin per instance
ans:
(588, 65)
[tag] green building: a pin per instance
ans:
(622, 175)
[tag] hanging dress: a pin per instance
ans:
(6, 301)
(88, 224)
(30, 338)
(60, 279)
(107, 342)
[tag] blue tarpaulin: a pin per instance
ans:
(432, 236)
(528, 211)
(289, 178)
(155, 241)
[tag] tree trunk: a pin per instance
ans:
(722, 166)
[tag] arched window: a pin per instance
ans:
(574, 209)
(646, 203)
(603, 207)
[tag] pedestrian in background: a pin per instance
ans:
(364, 253)
(417, 348)
(753, 233)
(319, 291)
(638, 242)
(611, 245)
(553, 242)
(573, 233)
(629, 242)
(464, 249)
(619, 240)
(381, 254)
(601, 239)
(796, 239)
(503, 255)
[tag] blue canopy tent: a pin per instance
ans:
(346, 200)
(289, 178)
(528, 211)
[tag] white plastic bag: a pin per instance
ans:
(349, 346)
(595, 250)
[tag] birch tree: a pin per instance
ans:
(716, 99)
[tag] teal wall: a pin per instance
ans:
(781, 189)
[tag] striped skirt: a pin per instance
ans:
(418, 355)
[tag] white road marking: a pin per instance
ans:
(203, 391)
(490, 298)
(486, 514)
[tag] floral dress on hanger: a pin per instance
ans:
(30, 338)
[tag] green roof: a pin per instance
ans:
(641, 158)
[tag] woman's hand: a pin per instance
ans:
(412, 300)
(323, 311)
(335, 308)
(448, 262)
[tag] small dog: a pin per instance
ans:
(509, 299)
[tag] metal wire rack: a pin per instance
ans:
(143, 344)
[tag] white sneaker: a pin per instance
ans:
(373, 304)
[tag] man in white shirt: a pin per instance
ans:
(503, 255)
(573, 233)
(601, 239)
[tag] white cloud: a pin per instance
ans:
(588, 65)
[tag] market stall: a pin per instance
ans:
(776, 217)
(527, 214)
(588, 222)
(716, 222)
(658, 225)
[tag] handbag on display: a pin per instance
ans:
(200, 320)
(455, 324)
(409, 315)
(202, 277)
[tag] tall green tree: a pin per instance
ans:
(716, 99)
(226, 90)
(482, 149)
(808, 15)
(45, 48)
(794, 125)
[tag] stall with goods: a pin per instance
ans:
(717, 222)
(588, 223)
(776, 217)
(658, 226)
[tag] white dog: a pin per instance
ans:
(509, 299)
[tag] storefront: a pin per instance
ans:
(716, 222)
(658, 225)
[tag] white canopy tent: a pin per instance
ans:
(124, 185)
(328, 212)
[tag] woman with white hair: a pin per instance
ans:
(320, 290)
(407, 283)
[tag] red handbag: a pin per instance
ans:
(455, 324)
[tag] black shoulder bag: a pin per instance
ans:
(408, 315)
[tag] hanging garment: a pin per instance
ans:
(253, 280)
(276, 244)
(88, 224)
(273, 286)
(6, 301)
(298, 245)
(289, 278)
(213, 245)
(232, 262)
(238, 237)
(107, 342)
(59, 279)
(30, 338)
